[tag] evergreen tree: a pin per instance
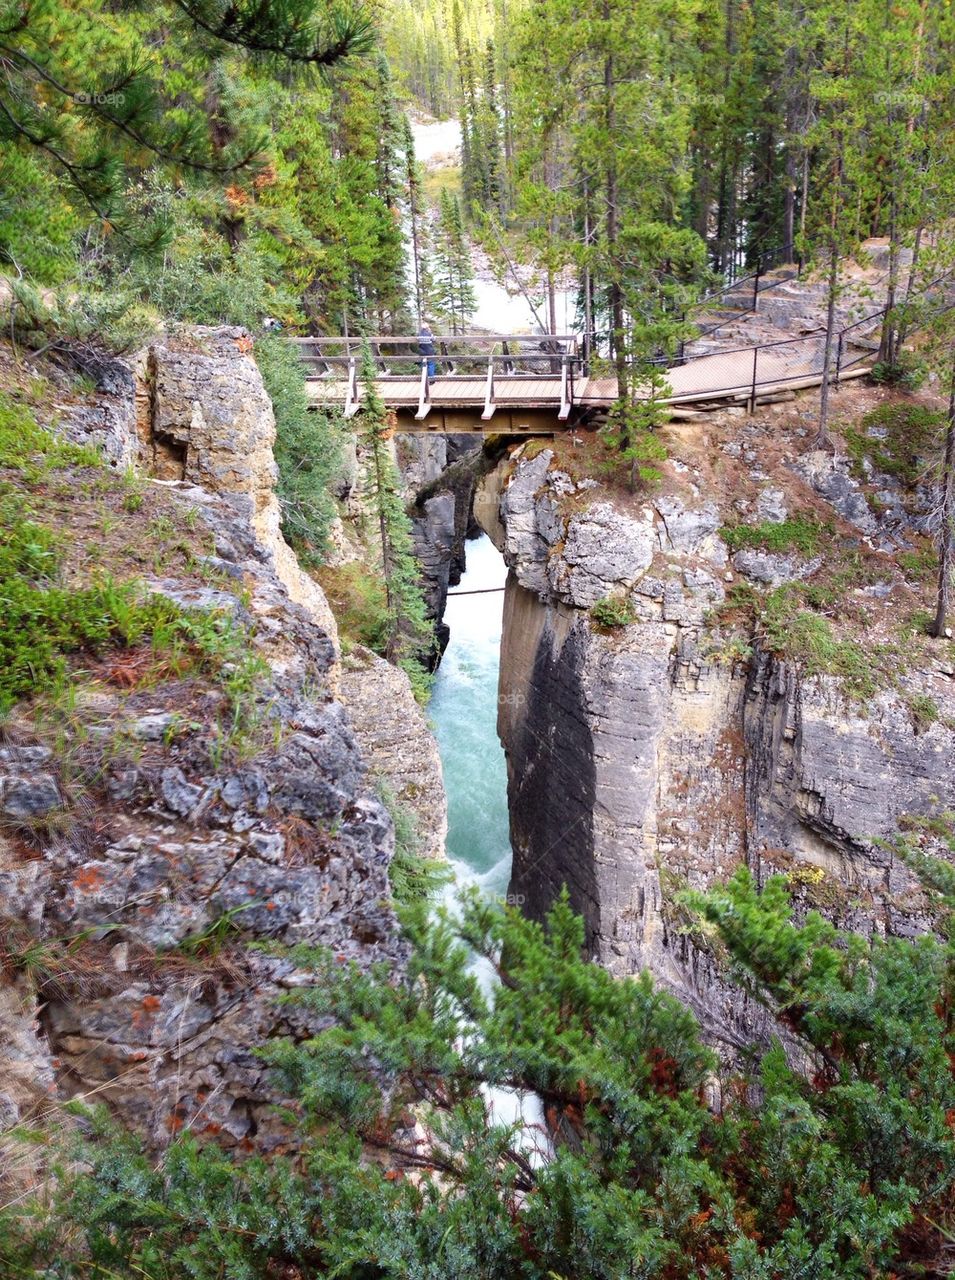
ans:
(410, 636)
(89, 90)
(417, 223)
(455, 299)
(635, 1153)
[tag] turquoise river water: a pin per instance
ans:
(464, 712)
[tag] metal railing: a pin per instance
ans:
(493, 359)
(745, 290)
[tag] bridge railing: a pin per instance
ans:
(497, 361)
(467, 355)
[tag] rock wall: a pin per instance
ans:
(440, 473)
(178, 851)
(660, 754)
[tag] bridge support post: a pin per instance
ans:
(489, 391)
(352, 402)
(424, 393)
(566, 390)
(752, 396)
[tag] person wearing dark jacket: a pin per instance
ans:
(427, 348)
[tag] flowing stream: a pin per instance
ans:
(499, 309)
(464, 713)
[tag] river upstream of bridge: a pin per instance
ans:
(499, 309)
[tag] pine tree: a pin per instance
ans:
(635, 1153)
(88, 91)
(417, 222)
(410, 636)
(454, 297)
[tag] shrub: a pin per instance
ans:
(612, 611)
(840, 1171)
(909, 433)
(907, 372)
(358, 600)
(308, 449)
(799, 533)
(414, 878)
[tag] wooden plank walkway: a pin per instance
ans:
(719, 377)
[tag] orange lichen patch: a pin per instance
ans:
(266, 177)
(244, 343)
(88, 879)
(130, 668)
(151, 1004)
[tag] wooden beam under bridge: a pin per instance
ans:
(506, 422)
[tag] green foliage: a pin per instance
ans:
(815, 1173)
(809, 640)
(920, 563)
(612, 611)
(97, 94)
(869, 1009)
(453, 295)
(36, 223)
(904, 372)
(33, 451)
(216, 935)
(308, 449)
(631, 436)
(899, 439)
(798, 533)
(360, 604)
(414, 878)
(45, 621)
(410, 635)
(80, 320)
(924, 710)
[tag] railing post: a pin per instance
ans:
(352, 403)
(752, 398)
(759, 267)
(566, 392)
(424, 392)
(489, 390)
(839, 357)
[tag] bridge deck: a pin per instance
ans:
(517, 397)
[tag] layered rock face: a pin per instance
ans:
(439, 473)
(179, 850)
(651, 756)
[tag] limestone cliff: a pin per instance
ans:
(660, 753)
(157, 825)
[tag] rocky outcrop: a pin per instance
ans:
(442, 491)
(396, 743)
(186, 820)
(659, 754)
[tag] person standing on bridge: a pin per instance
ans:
(427, 348)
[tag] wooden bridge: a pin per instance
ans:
(526, 385)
